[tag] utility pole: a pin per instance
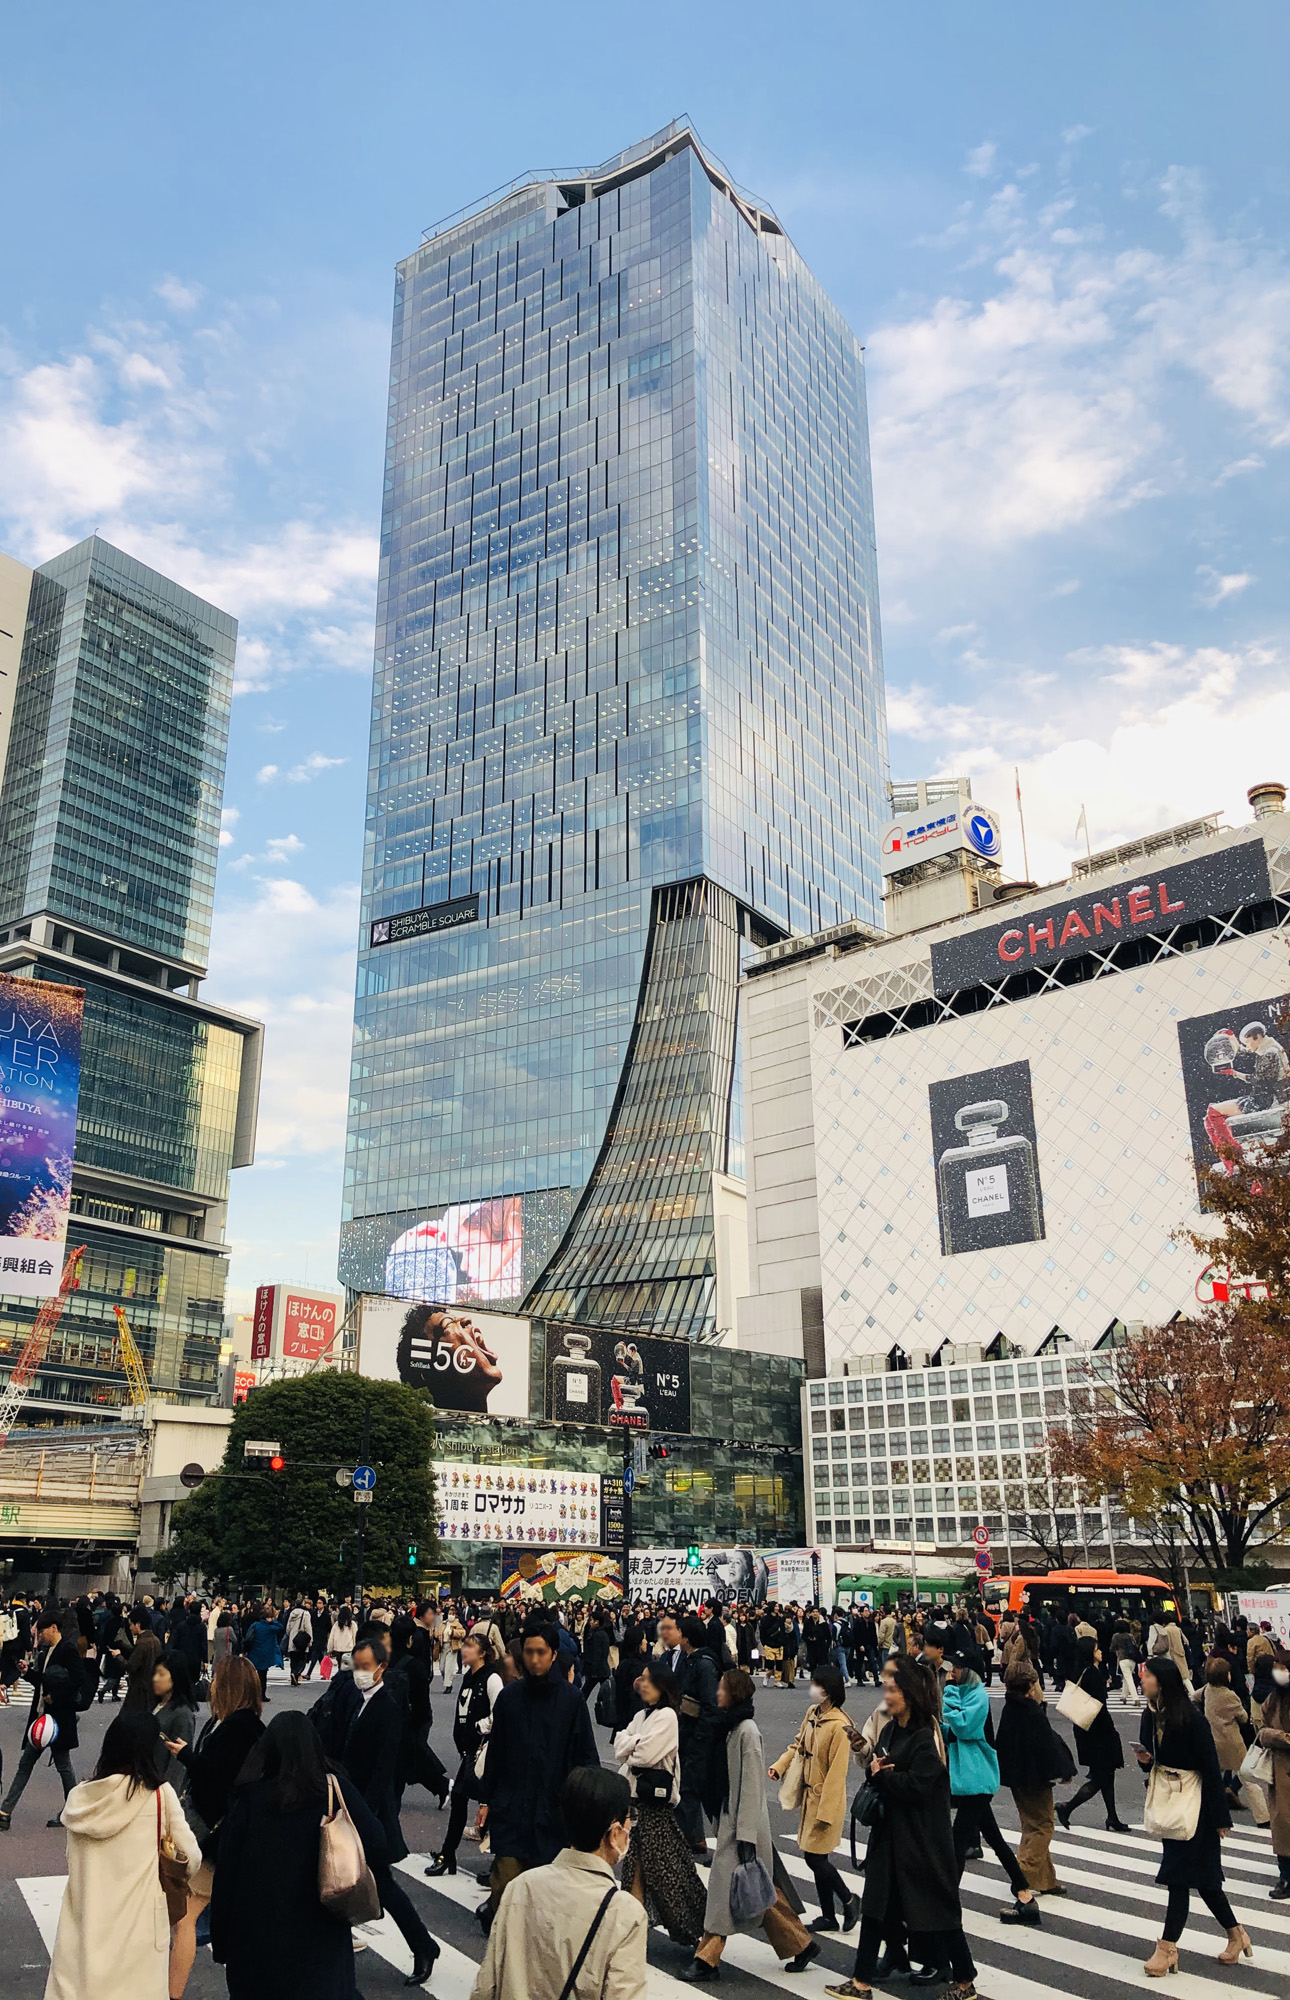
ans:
(362, 1518)
(629, 1481)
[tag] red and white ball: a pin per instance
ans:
(44, 1732)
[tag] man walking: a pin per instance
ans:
(61, 1683)
(697, 1676)
(373, 1757)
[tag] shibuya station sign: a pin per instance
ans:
(1170, 894)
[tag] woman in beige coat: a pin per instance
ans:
(823, 1743)
(1224, 1712)
(1275, 1736)
(114, 1931)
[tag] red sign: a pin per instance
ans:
(983, 1559)
(308, 1326)
(243, 1383)
(262, 1323)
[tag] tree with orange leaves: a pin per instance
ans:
(1198, 1435)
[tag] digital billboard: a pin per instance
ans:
(516, 1504)
(469, 1250)
(40, 1074)
(475, 1362)
(726, 1576)
(625, 1381)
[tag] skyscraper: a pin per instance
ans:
(109, 832)
(628, 723)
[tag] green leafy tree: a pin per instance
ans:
(286, 1529)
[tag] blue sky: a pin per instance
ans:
(1063, 234)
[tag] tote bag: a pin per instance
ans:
(790, 1790)
(1256, 1766)
(1172, 1810)
(1078, 1707)
(345, 1883)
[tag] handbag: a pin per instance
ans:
(172, 1871)
(346, 1886)
(576, 1967)
(653, 1785)
(1172, 1810)
(1256, 1765)
(751, 1891)
(790, 1791)
(1078, 1707)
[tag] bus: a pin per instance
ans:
(1098, 1595)
(936, 1591)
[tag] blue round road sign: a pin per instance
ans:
(629, 1480)
(364, 1478)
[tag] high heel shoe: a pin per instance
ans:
(443, 1864)
(1163, 1959)
(1064, 1815)
(1238, 1946)
(1117, 1826)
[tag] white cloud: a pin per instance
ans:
(283, 847)
(1217, 587)
(980, 161)
(179, 296)
(266, 774)
(228, 819)
(312, 767)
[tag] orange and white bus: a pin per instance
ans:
(1096, 1594)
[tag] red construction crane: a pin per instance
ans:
(37, 1347)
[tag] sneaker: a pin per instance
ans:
(823, 1924)
(1021, 1913)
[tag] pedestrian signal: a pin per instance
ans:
(693, 1558)
(412, 1555)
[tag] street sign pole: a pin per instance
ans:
(362, 1519)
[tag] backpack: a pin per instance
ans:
(606, 1705)
(8, 1628)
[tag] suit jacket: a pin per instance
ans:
(58, 1679)
(373, 1757)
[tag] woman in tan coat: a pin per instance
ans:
(1275, 1736)
(1224, 1712)
(114, 1930)
(823, 1743)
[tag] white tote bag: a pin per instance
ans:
(1078, 1707)
(1256, 1766)
(1172, 1810)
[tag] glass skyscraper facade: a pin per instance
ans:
(628, 723)
(109, 833)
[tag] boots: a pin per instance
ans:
(1238, 1946)
(1163, 1959)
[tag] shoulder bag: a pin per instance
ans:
(1172, 1809)
(569, 1984)
(751, 1891)
(1256, 1765)
(346, 1886)
(1078, 1707)
(653, 1785)
(172, 1871)
(790, 1790)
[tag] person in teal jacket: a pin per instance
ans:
(974, 1780)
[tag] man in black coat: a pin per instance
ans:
(373, 1757)
(541, 1731)
(698, 1688)
(61, 1683)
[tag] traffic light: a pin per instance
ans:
(412, 1555)
(277, 1463)
(659, 1451)
(693, 1559)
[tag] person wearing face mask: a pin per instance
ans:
(373, 1756)
(823, 1745)
(570, 1913)
(1275, 1736)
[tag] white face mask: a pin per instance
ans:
(817, 1694)
(364, 1678)
(1281, 1675)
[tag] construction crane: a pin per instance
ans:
(37, 1346)
(131, 1360)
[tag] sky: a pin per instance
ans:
(1062, 234)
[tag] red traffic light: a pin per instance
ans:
(277, 1463)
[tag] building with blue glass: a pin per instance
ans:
(628, 726)
(114, 707)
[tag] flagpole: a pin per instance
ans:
(1025, 859)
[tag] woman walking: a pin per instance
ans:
(1032, 1759)
(823, 1745)
(1223, 1710)
(340, 1639)
(911, 1871)
(263, 1645)
(735, 1795)
(1125, 1654)
(1176, 1737)
(974, 1780)
(213, 1765)
(113, 1930)
(1098, 1747)
(266, 1918)
(471, 1727)
(659, 1869)
(1275, 1736)
(176, 1712)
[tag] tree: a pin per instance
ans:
(1197, 1438)
(257, 1529)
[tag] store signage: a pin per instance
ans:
(905, 842)
(424, 922)
(517, 1504)
(1160, 899)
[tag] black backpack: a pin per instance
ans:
(607, 1705)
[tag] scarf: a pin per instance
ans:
(716, 1790)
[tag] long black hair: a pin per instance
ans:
(291, 1758)
(179, 1667)
(1173, 1704)
(916, 1684)
(130, 1749)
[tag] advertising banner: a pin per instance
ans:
(1236, 1078)
(628, 1382)
(920, 837)
(726, 1576)
(469, 1250)
(1271, 1607)
(516, 1504)
(1168, 895)
(559, 1575)
(40, 1073)
(987, 1170)
(469, 1361)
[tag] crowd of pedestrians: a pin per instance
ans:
(171, 1840)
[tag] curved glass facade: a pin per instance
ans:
(627, 638)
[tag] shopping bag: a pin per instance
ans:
(1078, 1707)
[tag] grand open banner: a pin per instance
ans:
(726, 1576)
(40, 1074)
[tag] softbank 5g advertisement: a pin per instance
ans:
(474, 1362)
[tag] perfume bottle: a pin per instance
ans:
(989, 1187)
(575, 1382)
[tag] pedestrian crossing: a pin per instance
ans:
(1093, 1938)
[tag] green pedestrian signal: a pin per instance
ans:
(693, 1559)
(412, 1555)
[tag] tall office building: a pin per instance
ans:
(628, 725)
(115, 688)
